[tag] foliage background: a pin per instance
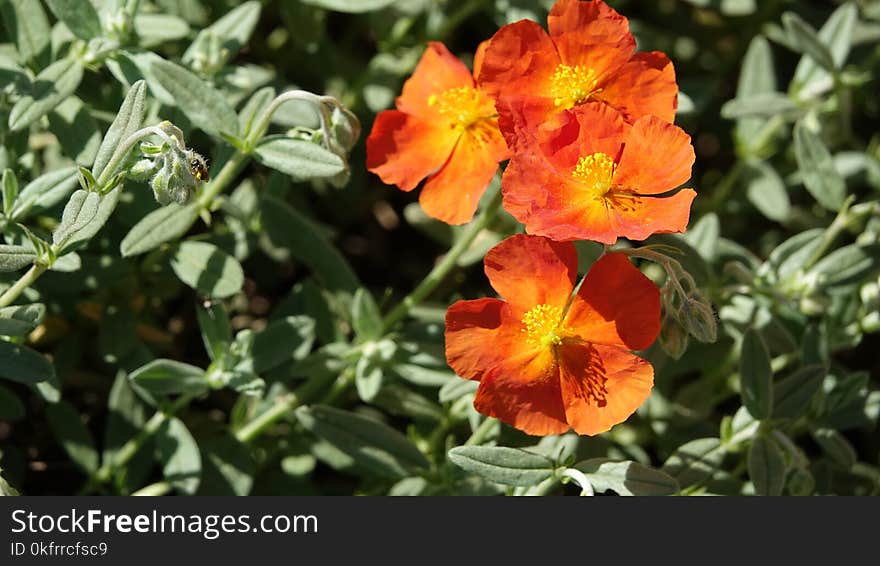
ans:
(794, 324)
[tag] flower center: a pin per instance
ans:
(543, 326)
(462, 106)
(595, 172)
(571, 86)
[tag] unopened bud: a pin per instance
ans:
(673, 338)
(698, 319)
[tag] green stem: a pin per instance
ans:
(130, 448)
(26, 280)
(226, 175)
(483, 432)
(442, 269)
(835, 229)
(282, 407)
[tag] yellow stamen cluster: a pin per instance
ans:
(543, 326)
(571, 86)
(462, 106)
(595, 172)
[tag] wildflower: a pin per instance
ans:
(445, 128)
(596, 178)
(547, 361)
(587, 56)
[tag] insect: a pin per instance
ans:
(198, 167)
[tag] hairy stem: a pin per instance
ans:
(26, 280)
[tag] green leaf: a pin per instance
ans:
(11, 407)
(424, 376)
(13, 258)
(233, 30)
(288, 228)
(817, 168)
(203, 104)
(215, 328)
(285, 340)
(703, 235)
(80, 210)
(508, 466)
(44, 192)
(54, 83)
(207, 269)
(376, 446)
(79, 17)
(168, 377)
(20, 320)
(805, 39)
(846, 265)
(227, 467)
(125, 416)
(126, 122)
(73, 435)
(76, 130)
(402, 401)
(21, 364)
(255, 106)
(162, 225)
(454, 389)
(350, 6)
(9, 190)
(756, 375)
(106, 206)
(837, 34)
(766, 466)
(179, 453)
(792, 396)
(766, 190)
(155, 29)
(301, 160)
(791, 255)
(365, 316)
(695, 462)
(763, 105)
(26, 20)
(368, 378)
(626, 478)
(836, 446)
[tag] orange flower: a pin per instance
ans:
(588, 56)
(445, 128)
(545, 366)
(594, 177)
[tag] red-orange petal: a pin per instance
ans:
(453, 193)
(637, 218)
(616, 305)
(514, 396)
(657, 157)
(596, 22)
(437, 71)
(643, 86)
(600, 129)
(479, 55)
(402, 149)
(520, 59)
(530, 270)
(480, 335)
(601, 385)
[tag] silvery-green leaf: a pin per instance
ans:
(285, 340)
(20, 320)
(792, 395)
(79, 17)
(253, 108)
(233, 30)
(846, 265)
(508, 466)
(13, 258)
(836, 446)
(168, 377)
(703, 235)
(626, 478)
(696, 461)
(207, 269)
(300, 159)
(766, 466)
(456, 388)
(372, 444)
(54, 83)
(766, 191)
(21, 364)
(804, 37)
(202, 103)
(73, 435)
(128, 119)
(80, 210)
(811, 79)
(762, 105)
(350, 6)
(215, 329)
(180, 457)
(817, 168)
(155, 29)
(76, 130)
(44, 192)
(26, 20)
(162, 225)
(368, 378)
(365, 316)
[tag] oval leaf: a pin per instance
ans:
(766, 467)
(756, 376)
(203, 104)
(300, 159)
(162, 225)
(208, 269)
(21, 364)
(167, 377)
(73, 435)
(508, 466)
(626, 478)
